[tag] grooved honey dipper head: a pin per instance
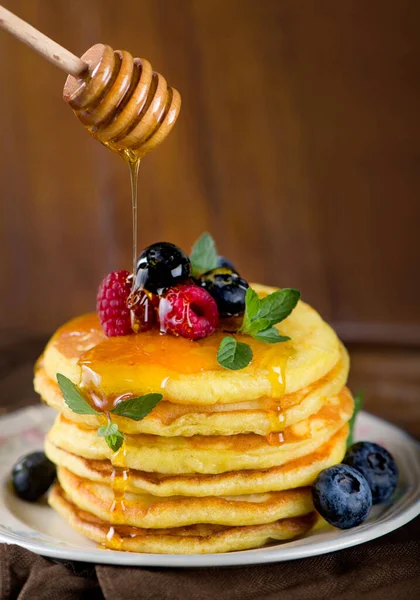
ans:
(122, 102)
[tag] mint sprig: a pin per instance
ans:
(233, 355)
(133, 408)
(358, 403)
(203, 255)
(73, 397)
(137, 408)
(106, 430)
(262, 314)
(113, 436)
(260, 318)
(270, 336)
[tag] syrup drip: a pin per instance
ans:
(275, 438)
(276, 364)
(140, 300)
(275, 417)
(119, 483)
(90, 384)
(134, 177)
(114, 540)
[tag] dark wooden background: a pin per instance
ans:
(298, 147)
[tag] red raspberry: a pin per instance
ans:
(188, 311)
(111, 304)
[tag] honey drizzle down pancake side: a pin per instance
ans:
(276, 371)
(120, 474)
(119, 482)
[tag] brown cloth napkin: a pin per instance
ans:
(385, 569)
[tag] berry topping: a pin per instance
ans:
(161, 266)
(342, 496)
(188, 311)
(377, 466)
(224, 263)
(111, 304)
(32, 476)
(228, 289)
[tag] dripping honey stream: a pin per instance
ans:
(130, 109)
(120, 471)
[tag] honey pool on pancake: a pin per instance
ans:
(121, 367)
(113, 369)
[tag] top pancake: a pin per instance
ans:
(187, 372)
(261, 416)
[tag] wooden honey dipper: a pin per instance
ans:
(120, 100)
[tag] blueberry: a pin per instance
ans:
(32, 476)
(342, 496)
(377, 466)
(161, 266)
(224, 263)
(228, 289)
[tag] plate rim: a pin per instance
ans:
(265, 555)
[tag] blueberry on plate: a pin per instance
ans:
(228, 289)
(32, 476)
(342, 496)
(162, 265)
(377, 466)
(224, 263)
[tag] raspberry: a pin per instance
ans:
(188, 311)
(111, 304)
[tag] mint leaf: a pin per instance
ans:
(278, 305)
(252, 305)
(110, 429)
(358, 403)
(137, 408)
(115, 441)
(233, 355)
(73, 397)
(113, 436)
(203, 255)
(258, 325)
(261, 315)
(270, 336)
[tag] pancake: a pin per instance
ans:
(296, 473)
(208, 454)
(168, 419)
(224, 462)
(194, 539)
(188, 372)
(153, 512)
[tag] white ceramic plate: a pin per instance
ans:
(38, 528)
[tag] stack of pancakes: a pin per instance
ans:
(224, 462)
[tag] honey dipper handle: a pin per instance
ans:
(42, 44)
